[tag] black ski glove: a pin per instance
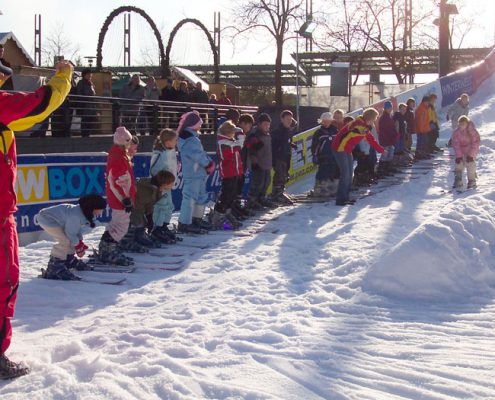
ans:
(127, 203)
(458, 160)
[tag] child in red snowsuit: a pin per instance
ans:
(18, 112)
(120, 189)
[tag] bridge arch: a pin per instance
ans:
(108, 21)
(210, 40)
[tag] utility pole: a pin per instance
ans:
(216, 32)
(37, 40)
(444, 37)
(127, 39)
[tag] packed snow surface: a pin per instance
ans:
(392, 298)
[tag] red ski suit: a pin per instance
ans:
(18, 112)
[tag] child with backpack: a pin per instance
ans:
(466, 144)
(231, 170)
(120, 189)
(196, 166)
(164, 158)
(65, 222)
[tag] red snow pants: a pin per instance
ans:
(9, 278)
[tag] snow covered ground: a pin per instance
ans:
(392, 298)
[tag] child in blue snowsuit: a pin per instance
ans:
(164, 158)
(64, 222)
(196, 166)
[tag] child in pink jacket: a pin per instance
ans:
(466, 144)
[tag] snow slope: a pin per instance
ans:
(285, 316)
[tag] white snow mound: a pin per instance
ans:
(450, 256)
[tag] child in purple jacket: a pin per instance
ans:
(387, 137)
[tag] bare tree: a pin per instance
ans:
(384, 27)
(277, 18)
(57, 44)
(343, 32)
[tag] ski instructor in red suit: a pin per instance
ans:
(18, 112)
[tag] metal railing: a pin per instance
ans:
(91, 116)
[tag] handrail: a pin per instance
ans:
(100, 115)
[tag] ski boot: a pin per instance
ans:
(57, 269)
(243, 209)
(163, 235)
(141, 237)
(201, 223)
(472, 184)
(457, 180)
(234, 222)
(10, 369)
(282, 199)
(267, 203)
(217, 220)
(130, 244)
(190, 228)
(72, 262)
(109, 252)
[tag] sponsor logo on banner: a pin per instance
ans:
(456, 84)
(301, 161)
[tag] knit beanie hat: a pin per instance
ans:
(190, 120)
(90, 203)
(122, 136)
(388, 105)
(264, 118)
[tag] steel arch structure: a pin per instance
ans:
(108, 21)
(210, 40)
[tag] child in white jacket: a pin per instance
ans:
(64, 222)
(164, 158)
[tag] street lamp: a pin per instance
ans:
(306, 31)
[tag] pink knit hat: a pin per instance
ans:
(122, 136)
(190, 120)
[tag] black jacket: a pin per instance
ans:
(281, 144)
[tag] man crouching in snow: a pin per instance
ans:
(18, 112)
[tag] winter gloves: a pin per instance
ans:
(81, 249)
(127, 203)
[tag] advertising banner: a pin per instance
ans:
(455, 84)
(301, 161)
(47, 180)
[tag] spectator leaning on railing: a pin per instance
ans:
(134, 92)
(86, 107)
(151, 92)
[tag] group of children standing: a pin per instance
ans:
(142, 209)
(340, 141)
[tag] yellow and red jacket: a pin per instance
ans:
(18, 112)
(352, 134)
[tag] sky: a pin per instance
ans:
(82, 21)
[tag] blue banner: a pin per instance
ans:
(455, 84)
(47, 180)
